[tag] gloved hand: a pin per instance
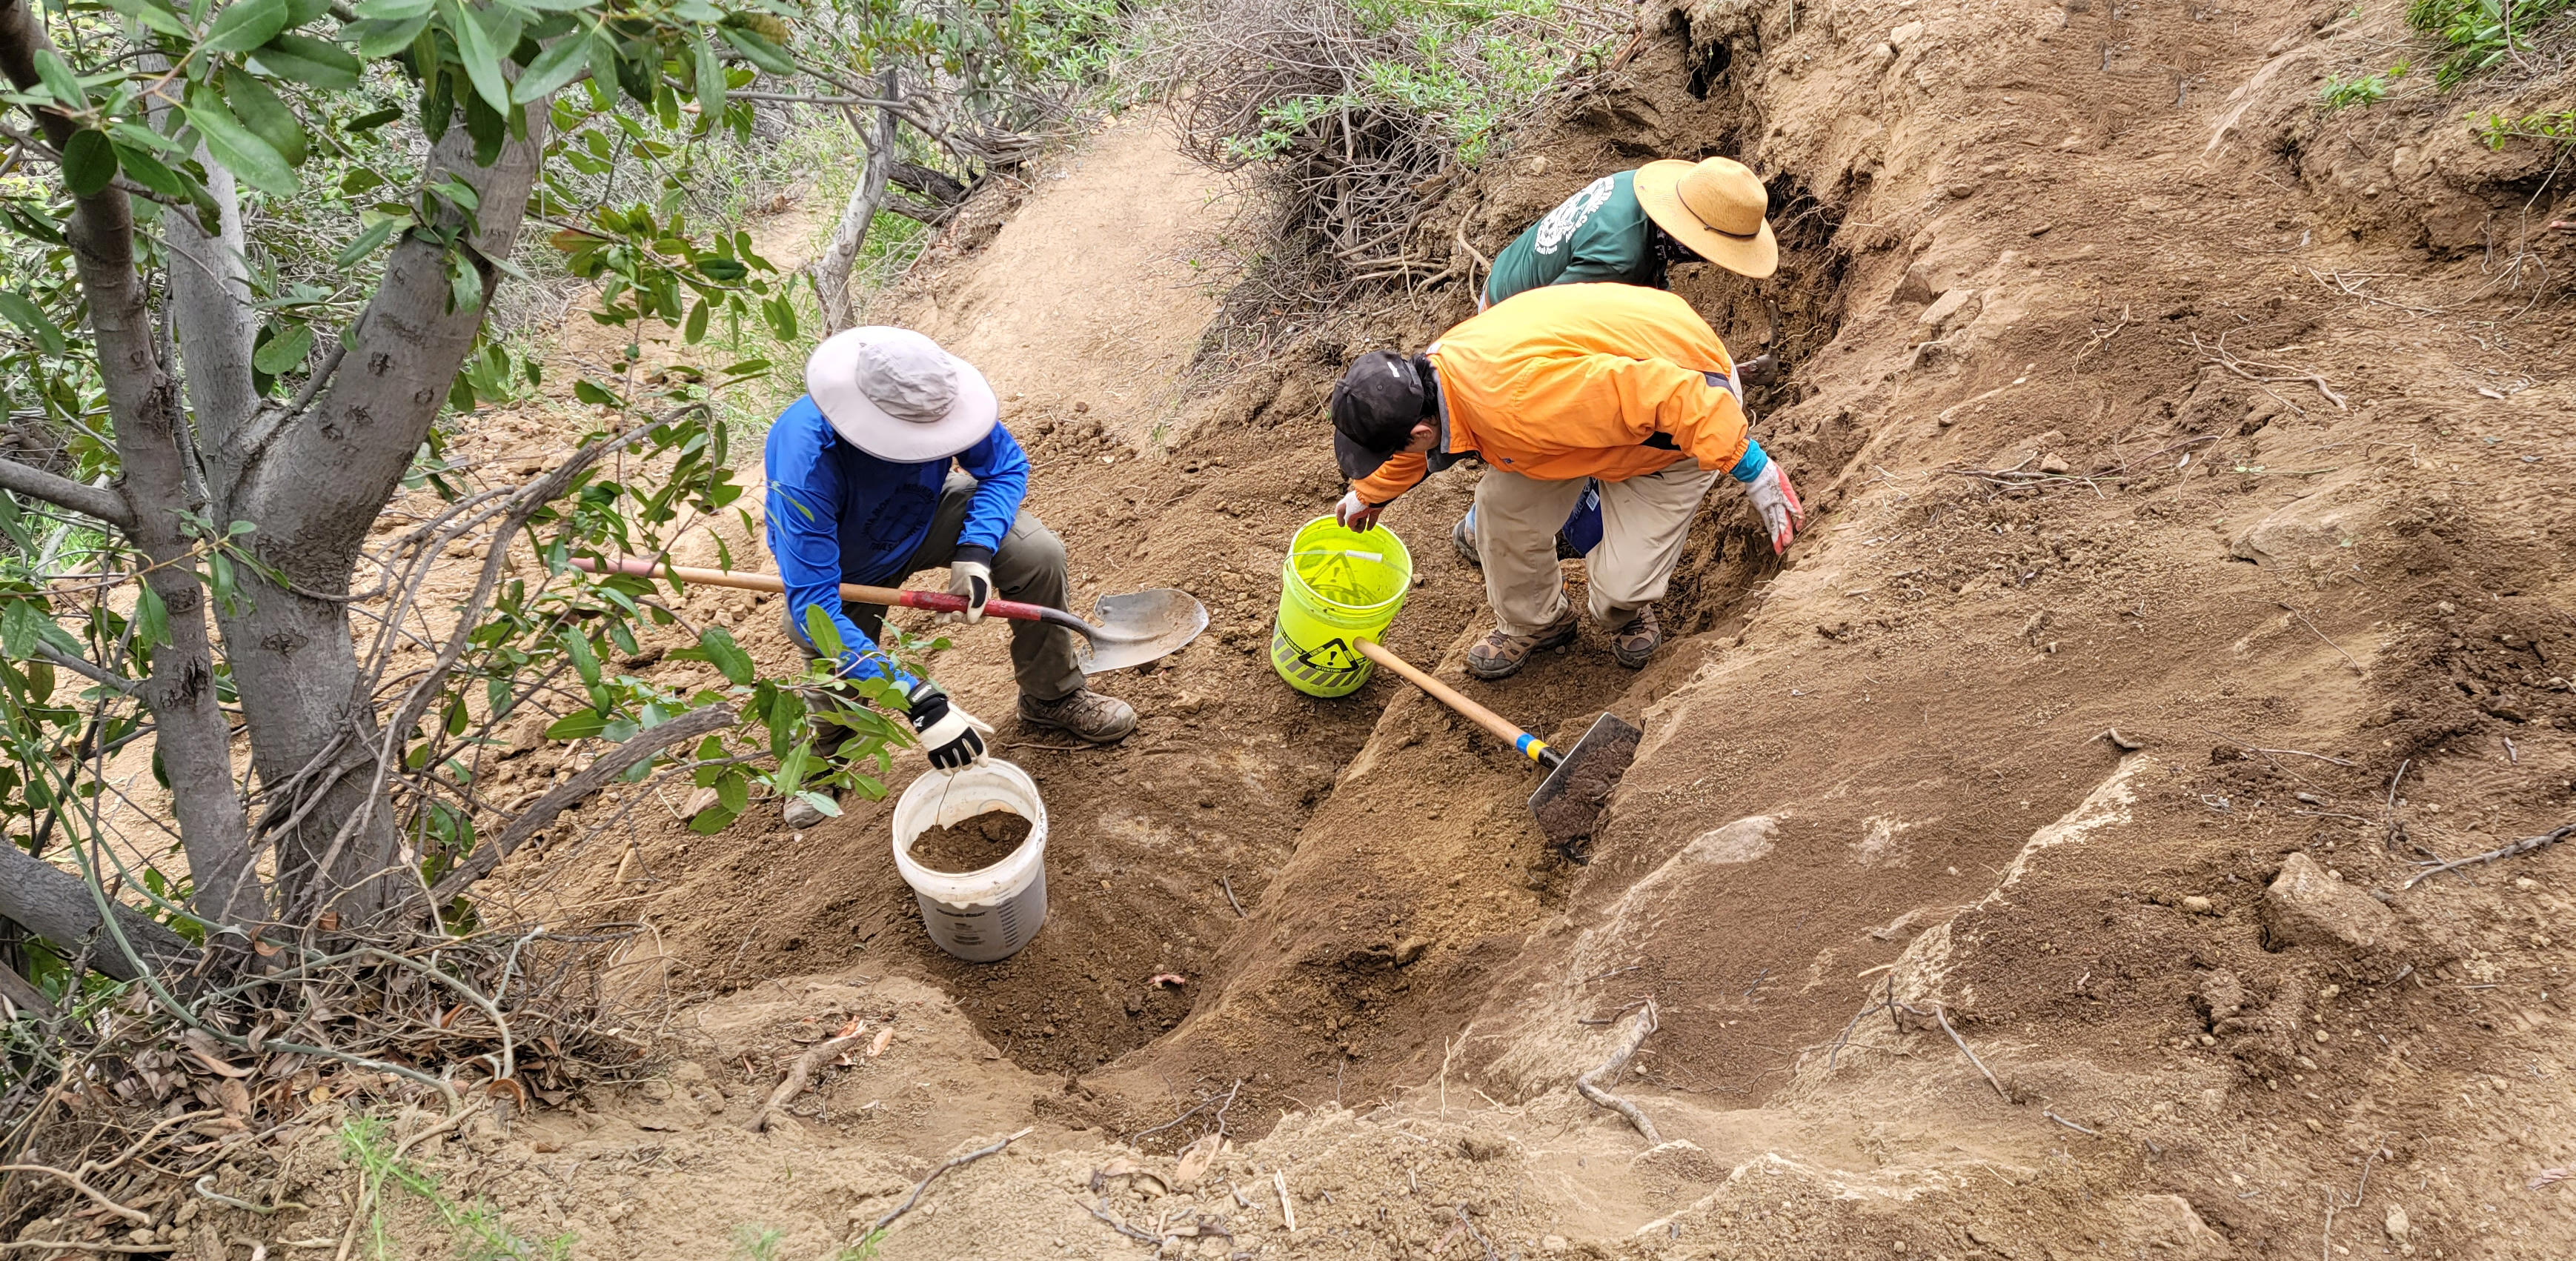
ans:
(1758, 371)
(1357, 515)
(1777, 501)
(972, 581)
(951, 735)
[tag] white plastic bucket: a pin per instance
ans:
(979, 916)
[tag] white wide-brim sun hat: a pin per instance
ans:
(894, 394)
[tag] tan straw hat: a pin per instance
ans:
(1715, 208)
(896, 395)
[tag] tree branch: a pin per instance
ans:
(832, 270)
(58, 906)
(610, 765)
(63, 492)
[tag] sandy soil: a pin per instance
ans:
(2132, 395)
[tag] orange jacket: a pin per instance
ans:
(1571, 381)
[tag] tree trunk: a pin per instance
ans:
(61, 908)
(314, 492)
(832, 270)
(191, 737)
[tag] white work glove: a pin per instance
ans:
(952, 736)
(1356, 514)
(1777, 501)
(971, 581)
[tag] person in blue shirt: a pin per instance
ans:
(896, 461)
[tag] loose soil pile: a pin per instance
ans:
(972, 844)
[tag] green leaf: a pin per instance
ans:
(372, 119)
(593, 394)
(711, 80)
(474, 46)
(238, 148)
(60, 80)
(734, 792)
(383, 37)
(393, 10)
(695, 330)
(577, 725)
(150, 172)
(583, 659)
(821, 801)
(151, 624)
(21, 629)
(245, 26)
(559, 64)
(27, 315)
(758, 49)
(259, 108)
(285, 352)
(726, 655)
(315, 62)
(712, 820)
(367, 242)
(89, 162)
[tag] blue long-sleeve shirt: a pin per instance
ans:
(838, 514)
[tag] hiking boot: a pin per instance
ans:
(1500, 656)
(1634, 644)
(800, 814)
(1463, 537)
(1086, 715)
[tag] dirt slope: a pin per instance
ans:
(2132, 395)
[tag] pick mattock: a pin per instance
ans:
(1135, 628)
(1568, 802)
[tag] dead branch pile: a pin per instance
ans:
(1356, 121)
(133, 1109)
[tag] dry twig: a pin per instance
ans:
(801, 1072)
(933, 1176)
(2523, 846)
(1944, 1017)
(1610, 1068)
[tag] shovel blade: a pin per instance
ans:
(1568, 803)
(1141, 626)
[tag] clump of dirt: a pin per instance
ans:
(972, 844)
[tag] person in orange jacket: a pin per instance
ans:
(1621, 385)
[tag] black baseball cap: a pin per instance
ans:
(1375, 407)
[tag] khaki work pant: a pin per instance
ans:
(1029, 567)
(1644, 521)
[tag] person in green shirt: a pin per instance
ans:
(1629, 228)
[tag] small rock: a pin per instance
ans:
(1409, 949)
(2052, 464)
(2306, 906)
(2398, 1227)
(1483, 1146)
(1956, 307)
(2198, 905)
(1963, 190)
(1904, 34)
(1556, 1243)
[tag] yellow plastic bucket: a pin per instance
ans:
(1334, 588)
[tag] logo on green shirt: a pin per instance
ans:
(1570, 214)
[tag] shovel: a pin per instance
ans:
(1568, 802)
(1135, 628)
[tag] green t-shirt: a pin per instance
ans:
(1600, 233)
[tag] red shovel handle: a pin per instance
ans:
(935, 601)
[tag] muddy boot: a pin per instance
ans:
(1086, 715)
(1463, 537)
(1500, 656)
(800, 814)
(1634, 644)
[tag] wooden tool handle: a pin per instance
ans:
(935, 601)
(1450, 696)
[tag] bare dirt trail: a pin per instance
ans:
(1089, 294)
